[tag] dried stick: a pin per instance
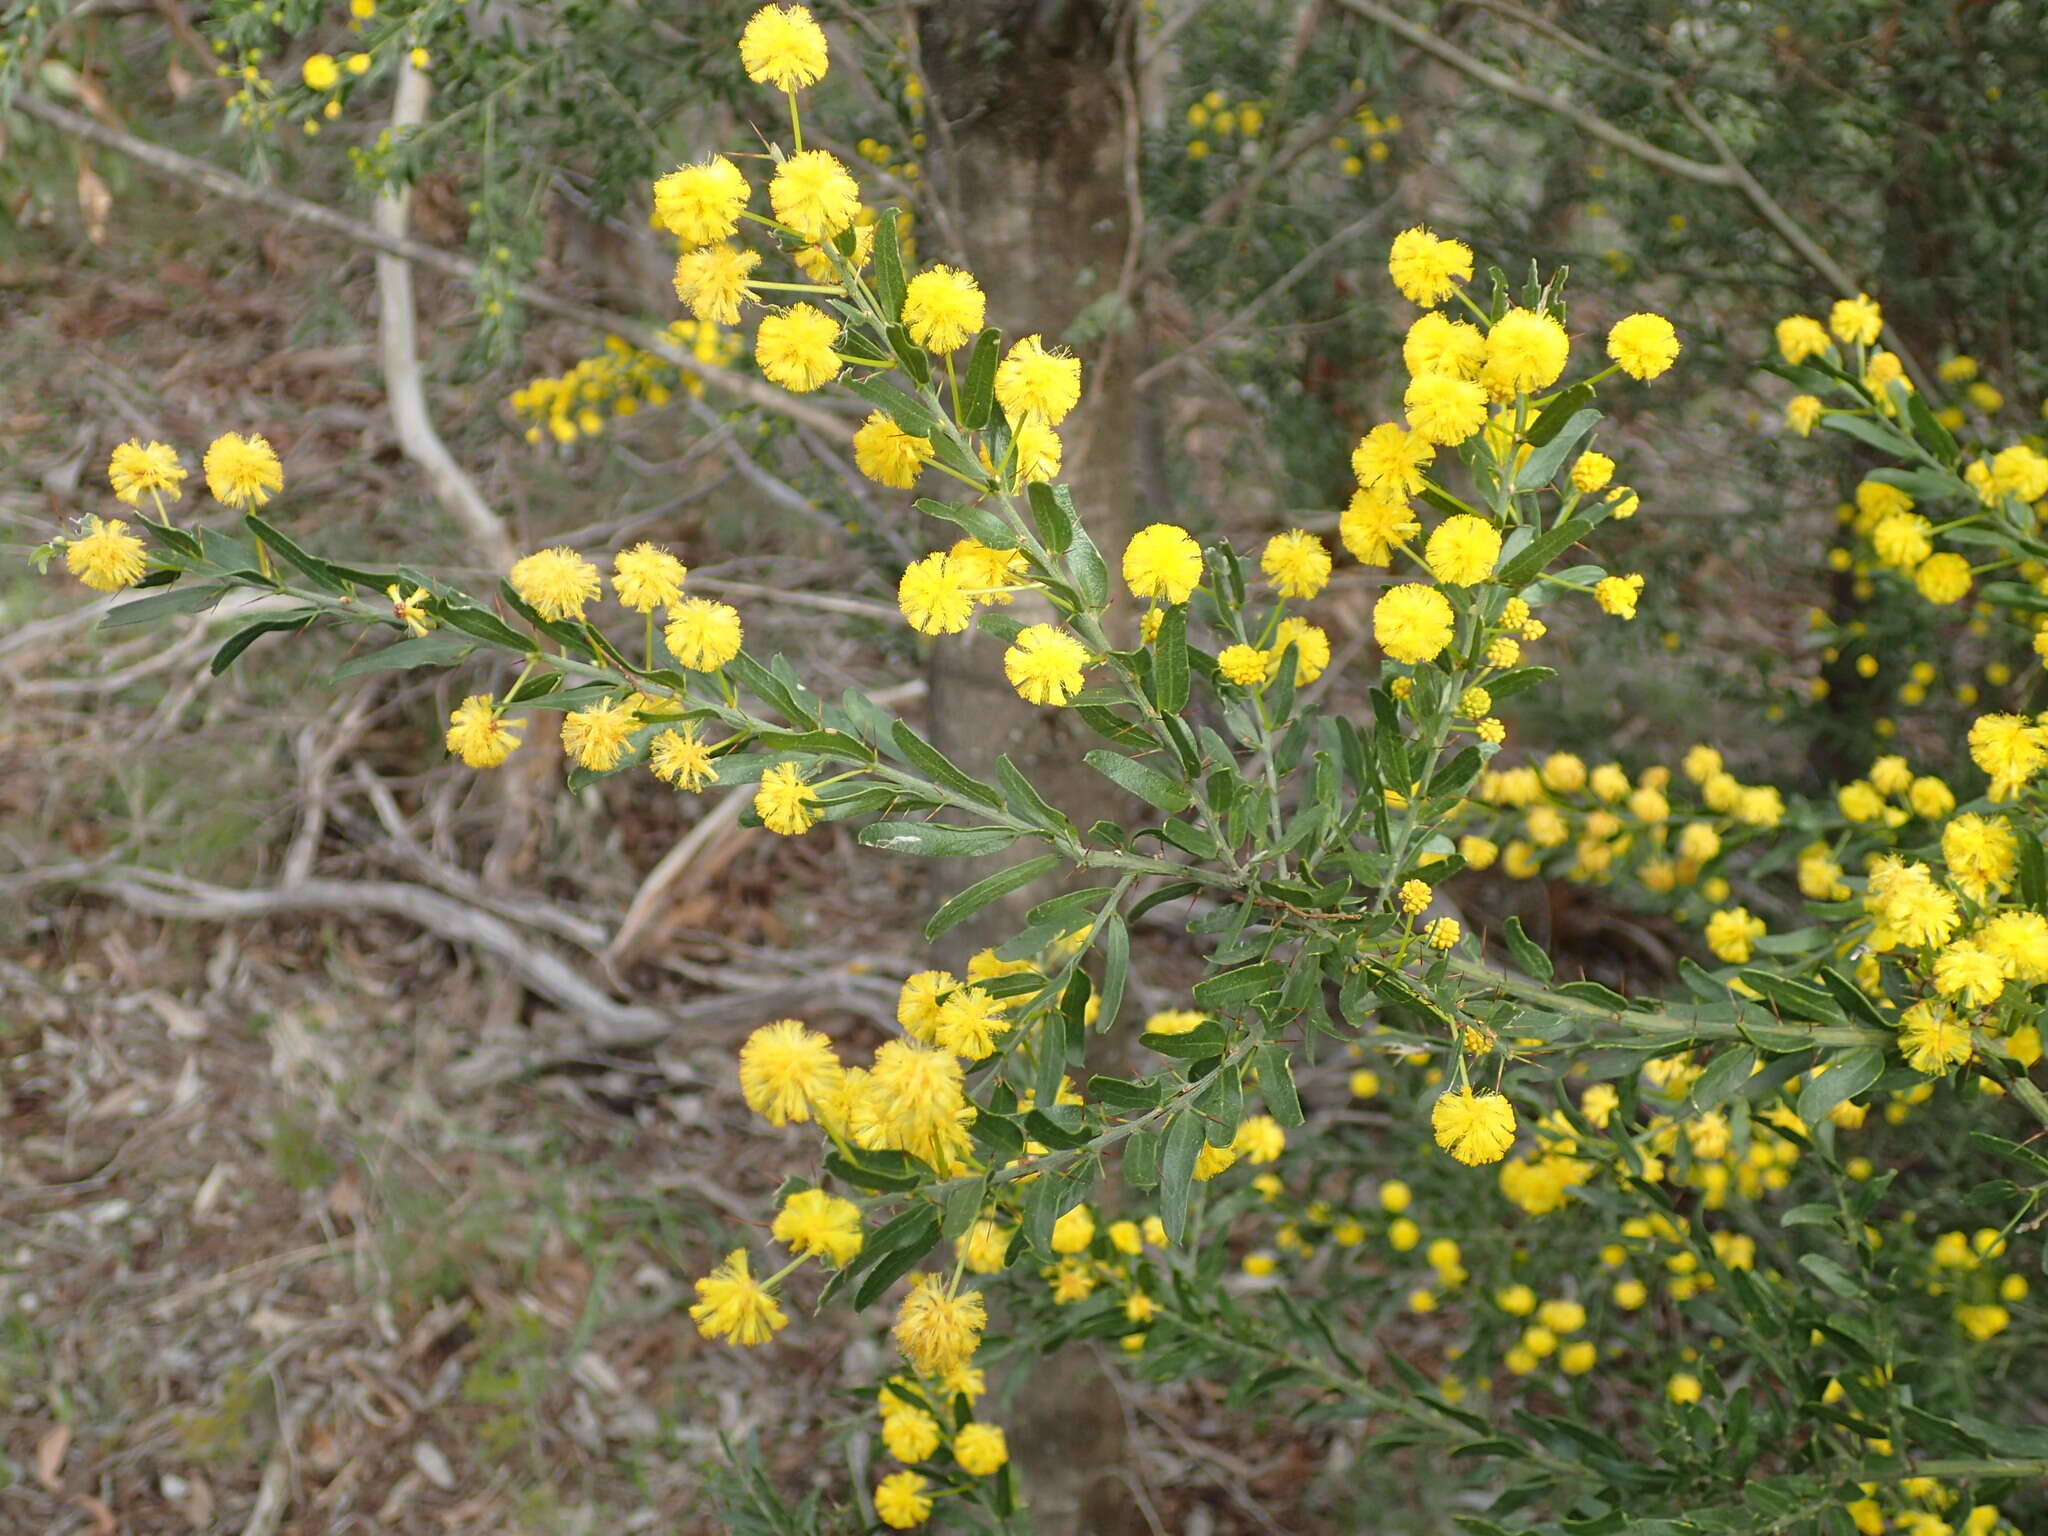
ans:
(225, 184)
(398, 334)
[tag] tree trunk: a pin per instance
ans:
(1028, 137)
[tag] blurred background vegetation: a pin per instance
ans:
(329, 1199)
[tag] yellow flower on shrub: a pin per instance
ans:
(596, 737)
(934, 596)
(713, 281)
(700, 204)
(821, 1225)
(1525, 351)
(1856, 321)
(477, 734)
(647, 577)
(887, 454)
(1644, 345)
(1163, 561)
(1244, 665)
(1473, 1128)
(937, 1328)
(1044, 664)
(1801, 337)
(557, 583)
(1802, 414)
(980, 1449)
(784, 802)
(1591, 472)
(943, 309)
(139, 469)
(796, 348)
(1462, 550)
(701, 634)
(1374, 523)
(1392, 459)
(242, 471)
(1444, 410)
(1297, 564)
(1732, 934)
(1437, 344)
(108, 558)
(1412, 623)
(783, 47)
(1427, 269)
(1032, 382)
(1932, 1038)
(732, 1304)
(1311, 647)
(678, 757)
(901, 1502)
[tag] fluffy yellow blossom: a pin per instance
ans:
(1800, 337)
(1244, 665)
(1932, 1038)
(242, 471)
(980, 1449)
(1437, 344)
(107, 558)
(1044, 664)
(713, 281)
(795, 348)
(824, 1226)
(150, 469)
(1856, 321)
(597, 737)
(1525, 351)
(1444, 410)
(731, 1304)
(1163, 561)
(784, 802)
(1732, 934)
(1297, 563)
(1412, 623)
(647, 577)
(888, 455)
(943, 309)
(938, 1328)
(680, 758)
(783, 47)
(786, 1071)
(1311, 647)
(700, 204)
(1427, 269)
(701, 634)
(1473, 1128)
(1618, 595)
(1462, 550)
(1374, 523)
(557, 583)
(934, 595)
(1033, 382)
(1392, 459)
(901, 1501)
(1644, 345)
(477, 734)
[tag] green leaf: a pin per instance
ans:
(1170, 662)
(1830, 1274)
(770, 690)
(1542, 549)
(1521, 680)
(1221, 1103)
(978, 387)
(1206, 1039)
(940, 769)
(248, 635)
(1140, 779)
(1795, 999)
(1846, 1076)
(1724, 1076)
(1091, 576)
(965, 904)
(936, 839)
(2033, 871)
(1115, 939)
(1121, 1093)
(890, 285)
(978, 522)
(1928, 425)
(481, 623)
(1052, 509)
(1865, 430)
(1023, 800)
(1529, 955)
(909, 413)
(917, 1241)
(439, 649)
(1561, 410)
(1177, 1173)
(878, 1172)
(1232, 989)
(910, 355)
(316, 570)
(1545, 459)
(1276, 1084)
(162, 605)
